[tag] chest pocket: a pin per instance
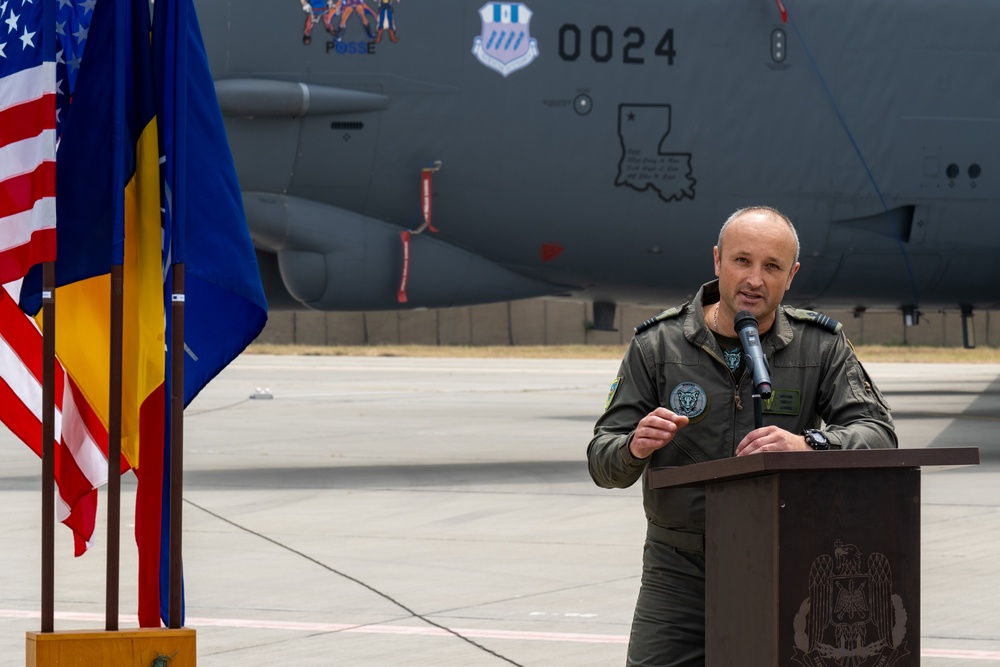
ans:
(704, 393)
(792, 405)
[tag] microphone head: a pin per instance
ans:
(744, 319)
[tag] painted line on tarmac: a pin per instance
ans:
(307, 626)
(956, 653)
(478, 633)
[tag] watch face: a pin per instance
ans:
(816, 439)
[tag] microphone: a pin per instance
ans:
(753, 354)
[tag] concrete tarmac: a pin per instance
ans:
(410, 511)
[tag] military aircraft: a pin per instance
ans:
(423, 153)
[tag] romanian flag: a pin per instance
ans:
(162, 190)
(109, 202)
(110, 192)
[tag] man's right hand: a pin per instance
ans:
(654, 431)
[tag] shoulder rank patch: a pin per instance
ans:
(665, 315)
(828, 323)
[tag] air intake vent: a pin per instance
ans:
(346, 125)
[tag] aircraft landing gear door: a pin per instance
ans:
(336, 158)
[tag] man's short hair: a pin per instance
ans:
(762, 209)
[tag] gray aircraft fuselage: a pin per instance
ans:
(595, 148)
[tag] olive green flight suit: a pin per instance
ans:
(675, 362)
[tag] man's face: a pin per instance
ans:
(755, 266)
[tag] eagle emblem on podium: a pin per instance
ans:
(851, 618)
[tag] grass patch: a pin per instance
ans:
(867, 353)
(928, 355)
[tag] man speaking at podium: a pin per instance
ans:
(684, 394)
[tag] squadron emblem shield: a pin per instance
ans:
(505, 44)
(690, 400)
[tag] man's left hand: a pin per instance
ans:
(771, 439)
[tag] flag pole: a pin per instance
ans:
(176, 444)
(178, 30)
(114, 450)
(48, 386)
(120, 30)
(48, 445)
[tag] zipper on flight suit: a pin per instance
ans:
(738, 383)
(737, 400)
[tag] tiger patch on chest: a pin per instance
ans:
(690, 400)
(733, 358)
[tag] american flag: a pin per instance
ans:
(27, 137)
(41, 46)
(81, 463)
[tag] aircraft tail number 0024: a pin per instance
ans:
(602, 47)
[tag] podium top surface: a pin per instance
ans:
(766, 463)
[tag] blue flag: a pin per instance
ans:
(225, 307)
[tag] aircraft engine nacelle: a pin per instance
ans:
(333, 259)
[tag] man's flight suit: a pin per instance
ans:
(674, 361)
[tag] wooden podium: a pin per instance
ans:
(813, 558)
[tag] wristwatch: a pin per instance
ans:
(816, 439)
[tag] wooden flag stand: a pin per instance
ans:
(157, 647)
(100, 648)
